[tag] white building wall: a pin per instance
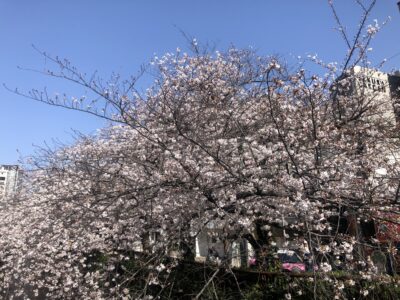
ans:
(208, 242)
(210, 247)
(375, 86)
(378, 88)
(8, 180)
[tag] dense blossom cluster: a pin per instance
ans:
(232, 139)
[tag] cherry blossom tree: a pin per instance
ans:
(233, 139)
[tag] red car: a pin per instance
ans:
(291, 261)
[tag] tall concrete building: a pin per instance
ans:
(381, 88)
(371, 89)
(8, 180)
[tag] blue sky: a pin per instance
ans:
(121, 35)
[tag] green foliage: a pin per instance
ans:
(254, 293)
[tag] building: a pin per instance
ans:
(381, 88)
(394, 86)
(9, 175)
(381, 91)
(212, 246)
(371, 88)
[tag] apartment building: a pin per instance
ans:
(8, 180)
